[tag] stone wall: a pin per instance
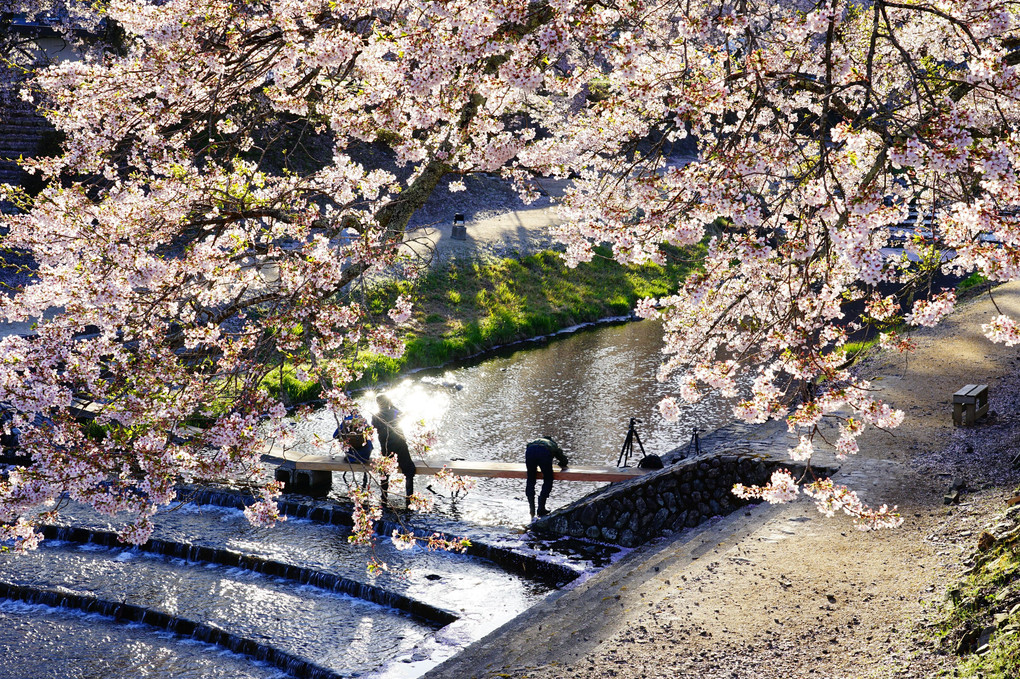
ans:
(680, 496)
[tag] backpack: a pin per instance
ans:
(650, 462)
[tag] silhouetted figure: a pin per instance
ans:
(392, 442)
(357, 446)
(539, 456)
(351, 433)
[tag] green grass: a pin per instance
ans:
(857, 348)
(468, 307)
(283, 382)
(971, 281)
(986, 601)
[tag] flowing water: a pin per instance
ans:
(212, 596)
(581, 389)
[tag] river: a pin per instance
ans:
(580, 388)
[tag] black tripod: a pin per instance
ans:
(628, 444)
(695, 443)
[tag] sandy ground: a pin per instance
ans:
(783, 591)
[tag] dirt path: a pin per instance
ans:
(783, 591)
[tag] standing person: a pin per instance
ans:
(392, 442)
(539, 455)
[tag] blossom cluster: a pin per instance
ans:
(190, 254)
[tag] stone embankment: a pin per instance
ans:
(683, 495)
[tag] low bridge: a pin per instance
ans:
(304, 470)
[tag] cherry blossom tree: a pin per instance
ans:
(820, 126)
(231, 179)
(23, 23)
(217, 207)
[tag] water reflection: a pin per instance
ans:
(581, 390)
(47, 643)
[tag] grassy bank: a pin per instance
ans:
(981, 620)
(467, 307)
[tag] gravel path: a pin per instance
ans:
(782, 591)
(497, 222)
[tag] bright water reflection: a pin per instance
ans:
(447, 580)
(41, 642)
(580, 389)
(308, 622)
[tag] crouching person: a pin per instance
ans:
(539, 456)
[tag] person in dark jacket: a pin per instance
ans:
(352, 434)
(357, 445)
(392, 442)
(539, 456)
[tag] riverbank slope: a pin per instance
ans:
(782, 591)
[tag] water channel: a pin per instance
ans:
(314, 607)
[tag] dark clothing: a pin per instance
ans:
(539, 456)
(392, 442)
(359, 455)
(357, 447)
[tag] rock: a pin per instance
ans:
(967, 642)
(622, 521)
(959, 483)
(985, 541)
(951, 498)
(680, 521)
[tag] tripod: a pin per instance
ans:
(628, 444)
(695, 443)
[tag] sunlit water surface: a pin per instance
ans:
(581, 389)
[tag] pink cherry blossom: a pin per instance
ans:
(189, 250)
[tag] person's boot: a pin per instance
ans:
(531, 506)
(542, 511)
